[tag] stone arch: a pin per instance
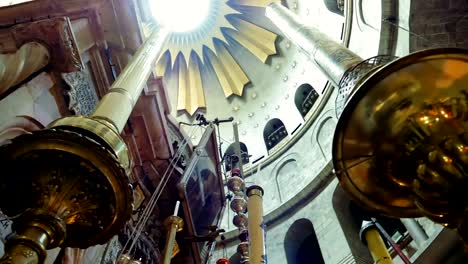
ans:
(369, 14)
(283, 166)
(323, 136)
(305, 98)
(301, 243)
(341, 204)
(274, 132)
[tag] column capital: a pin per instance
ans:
(255, 190)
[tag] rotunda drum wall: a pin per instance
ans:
(288, 180)
(368, 13)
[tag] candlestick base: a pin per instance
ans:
(69, 181)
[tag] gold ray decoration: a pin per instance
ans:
(258, 3)
(161, 65)
(230, 75)
(259, 41)
(185, 44)
(191, 95)
(187, 49)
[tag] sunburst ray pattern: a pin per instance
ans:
(259, 3)
(187, 53)
(191, 96)
(230, 75)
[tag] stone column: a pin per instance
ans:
(256, 228)
(28, 47)
(116, 106)
(332, 58)
(415, 230)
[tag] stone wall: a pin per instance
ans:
(33, 99)
(439, 23)
(288, 181)
(333, 244)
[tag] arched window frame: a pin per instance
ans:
(305, 98)
(273, 133)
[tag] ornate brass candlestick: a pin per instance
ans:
(67, 185)
(173, 225)
(401, 143)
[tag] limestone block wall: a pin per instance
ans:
(305, 158)
(284, 178)
(289, 192)
(320, 212)
(439, 23)
(33, 99)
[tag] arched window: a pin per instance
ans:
(230, 155)
(301, 244)
(305, 98)
(335, 6)
(273, 133)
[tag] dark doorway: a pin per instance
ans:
(301, 244)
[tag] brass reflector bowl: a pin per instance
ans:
(67, 177)
(400, 146)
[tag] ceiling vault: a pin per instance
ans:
(189, 52)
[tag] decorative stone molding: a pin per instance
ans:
(83, 97)
(57, 35)
(26, 48)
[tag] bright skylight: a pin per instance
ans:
(180, 15)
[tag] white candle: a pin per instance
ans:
(176, 209)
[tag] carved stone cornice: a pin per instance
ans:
(57, 35)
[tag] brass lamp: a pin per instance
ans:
(67, 185)
(401, 143)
